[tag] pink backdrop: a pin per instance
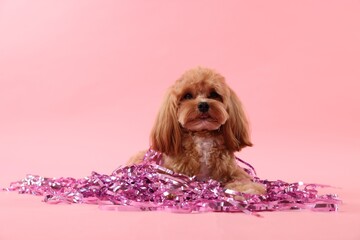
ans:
(81, 82)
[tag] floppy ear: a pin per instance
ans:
(236, 128)
(165, 136)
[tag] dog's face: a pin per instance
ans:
(200, 101)
(202, 98)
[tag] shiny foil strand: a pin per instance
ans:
(150, 187)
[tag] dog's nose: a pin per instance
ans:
(203, 107)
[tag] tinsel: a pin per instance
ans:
(149, 186)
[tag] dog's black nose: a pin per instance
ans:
(203, 107)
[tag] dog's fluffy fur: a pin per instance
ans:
(199, 127)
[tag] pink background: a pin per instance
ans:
(81, 82)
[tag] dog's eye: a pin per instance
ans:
(188, 96)
(214, 95)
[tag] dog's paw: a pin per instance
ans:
(246, 187)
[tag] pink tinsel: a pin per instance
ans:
(149, 186)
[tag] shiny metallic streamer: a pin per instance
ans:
(149, 187)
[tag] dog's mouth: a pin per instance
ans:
(202, 122)
(195, 120)
(203, 119)
(204, 116)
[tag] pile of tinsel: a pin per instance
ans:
(149, 186)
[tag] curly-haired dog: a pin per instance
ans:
(199, 127)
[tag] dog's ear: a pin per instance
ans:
(165, 136)
(236, 128)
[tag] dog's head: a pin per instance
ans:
(200, 101)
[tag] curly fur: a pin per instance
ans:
(198, 141)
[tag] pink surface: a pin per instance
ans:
(81, 82)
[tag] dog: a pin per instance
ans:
(200, 125)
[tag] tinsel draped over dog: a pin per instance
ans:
(149, 186)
